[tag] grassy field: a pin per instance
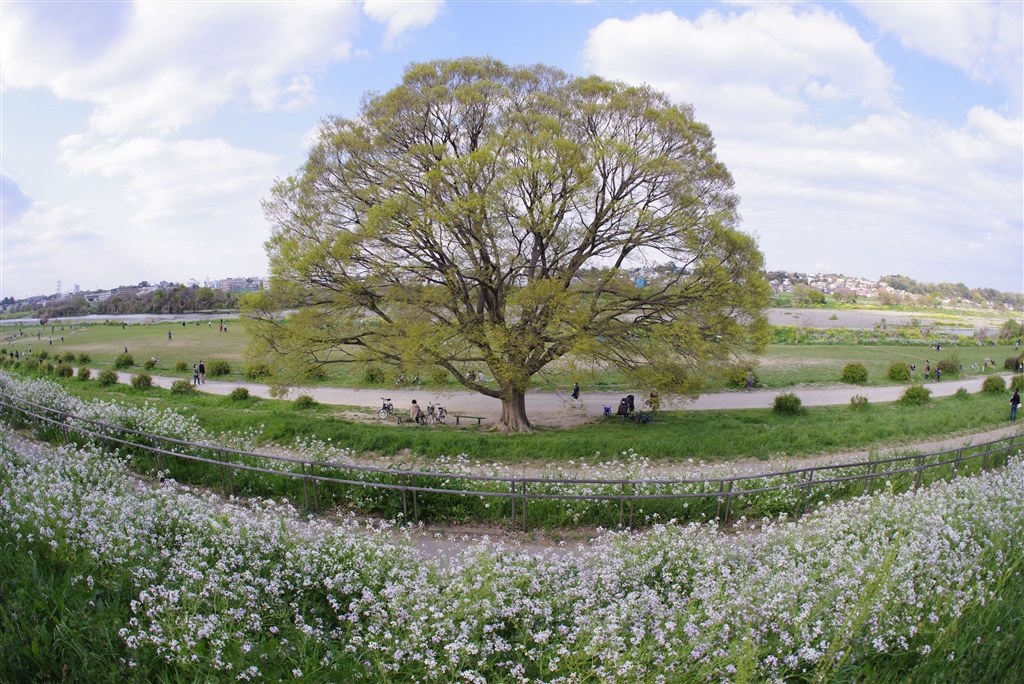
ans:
(705, 435)
(781, 366)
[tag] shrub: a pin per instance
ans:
(1012, 362)
(737, 376)
(961, 394)
(65, 371)
(47, 367)
(304, 401)
(787, 404)
(916, 395)
(855, 373)
(373, 375)
(439, 376)
(124, 360)
(217, 368)
(239, 394)
(255, 371)
(1017, 382)
(949, 366)
(315, 373)
(84, 358)
(994, 384)
(84, 373)
(106, 378)
(43, 354)
(899, 371)
(68, 357)
(181, 366)
(150, 364)
(182, 387)
(142, 381)
(858, 401)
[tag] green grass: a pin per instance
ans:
(781, 366)
(706, 435)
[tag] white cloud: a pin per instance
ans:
(872, 185)
(188, 206)
(170, 64)
(985, 40)
(772, 59)
(398, 17)
(50, 243)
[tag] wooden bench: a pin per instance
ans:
(478, 419)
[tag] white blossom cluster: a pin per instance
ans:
(253, 592)
(582, 494)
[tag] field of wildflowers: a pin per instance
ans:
(458, 489)
(106, 578)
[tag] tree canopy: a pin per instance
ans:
(481, 215)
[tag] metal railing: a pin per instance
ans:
(796, 488)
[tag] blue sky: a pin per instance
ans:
(866, 138)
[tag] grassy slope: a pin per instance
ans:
(708, 435)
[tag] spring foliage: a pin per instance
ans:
(482, 216)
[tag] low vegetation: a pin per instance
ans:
(113, 582)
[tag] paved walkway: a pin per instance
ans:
(553, 408)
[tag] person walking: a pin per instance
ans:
(195, 374)
(1014, 403)
(202, 372)
(576, 391)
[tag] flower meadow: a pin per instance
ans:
(459, 489)
(107, 578)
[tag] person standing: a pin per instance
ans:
(927, 369)
(415, 412)
(202, 372)
(1014, 403)
(195, 374)
(576, 391)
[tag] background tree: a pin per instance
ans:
(487, 216)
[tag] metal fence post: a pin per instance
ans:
(524, 505)
(728, 502)
(316, 499)
(622, 502)
(512, 500)
(415, 500)
(809, 479)
(305, 487)
(919, 460)
(405, 501)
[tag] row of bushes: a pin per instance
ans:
(789, 404)
(42, 355)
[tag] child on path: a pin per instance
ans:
(1014, 403)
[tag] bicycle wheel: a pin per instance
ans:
(383, 413)
(442, 414)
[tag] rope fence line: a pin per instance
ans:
(727, 492)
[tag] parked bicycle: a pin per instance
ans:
(386, 409)
(436, 414)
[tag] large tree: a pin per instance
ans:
(484, 215)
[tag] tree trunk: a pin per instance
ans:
(513, 412)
